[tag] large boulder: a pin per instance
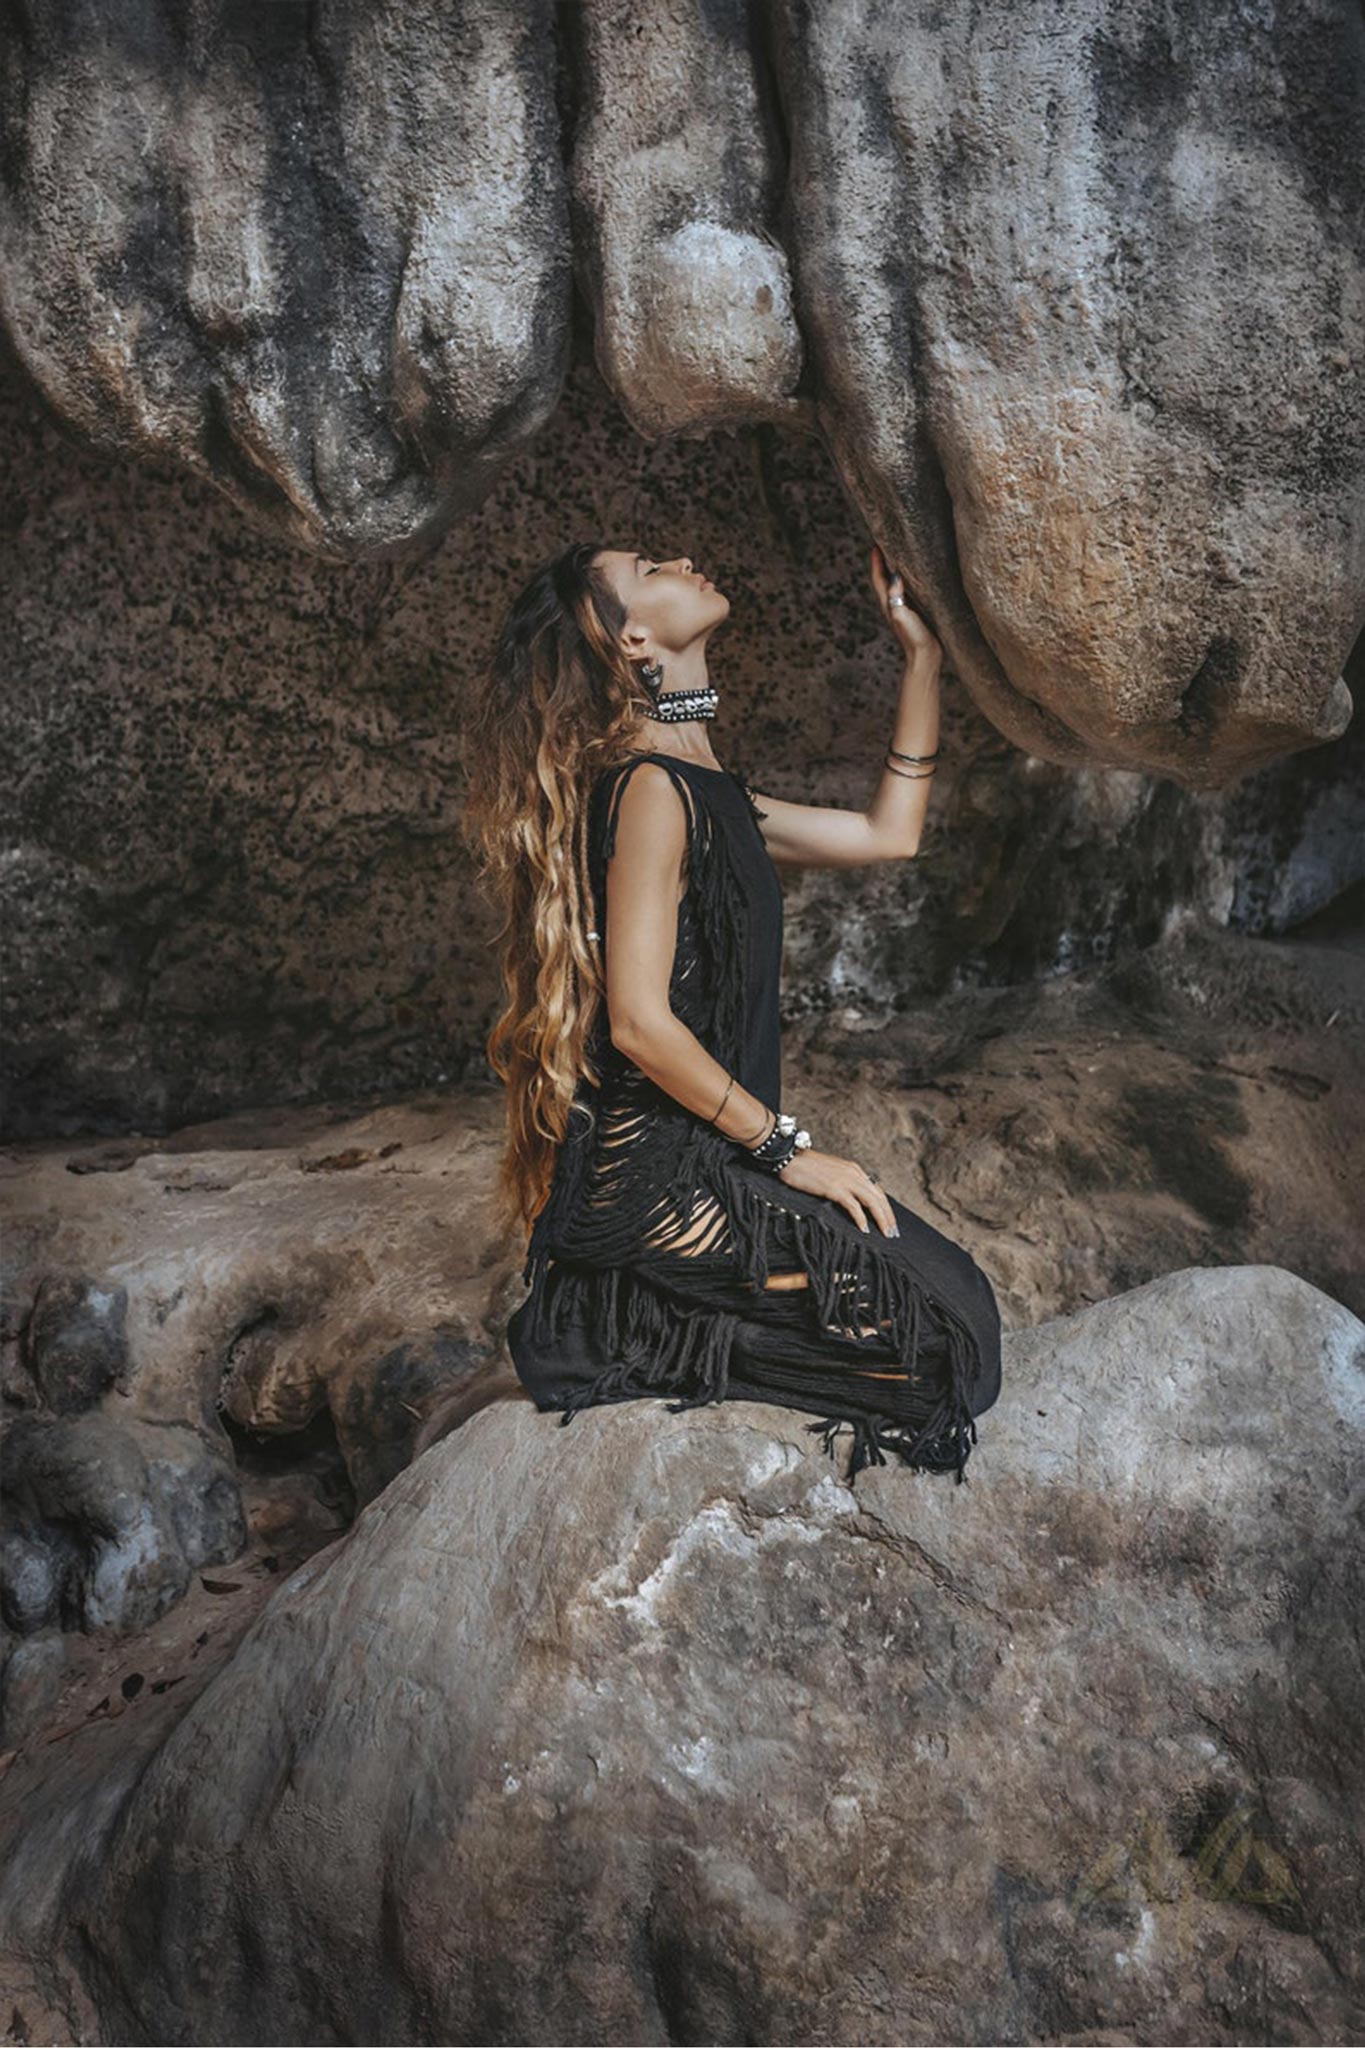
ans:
(1082, 286)
(321, 259)
(654, 1729)
(1073, 295)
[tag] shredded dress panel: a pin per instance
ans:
(648, 1263)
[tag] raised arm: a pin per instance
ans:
(891, 825)
(821, 836)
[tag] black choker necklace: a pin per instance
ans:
(671, 707)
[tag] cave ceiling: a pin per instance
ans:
(1074, 293)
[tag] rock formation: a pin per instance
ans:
(652, 1729)
(1073, 292)
(256, 1321)
(655, 1729)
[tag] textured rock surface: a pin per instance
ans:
(304, 1286)
(107, 1516)
(650, 1730)
(314, 1286)
(271, 1271)
(676, 182)
(321, 258)
(1074, 291)
(1084, 288)
(235, 873)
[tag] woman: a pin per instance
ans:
(685, 1237)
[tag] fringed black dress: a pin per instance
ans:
(648, 1262)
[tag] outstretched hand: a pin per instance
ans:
(914, 633)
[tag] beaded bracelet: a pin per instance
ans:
(781, 1145)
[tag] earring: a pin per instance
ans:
(651, 674)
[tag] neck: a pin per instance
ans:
(685, 670)
(685, 741)
(689, 738)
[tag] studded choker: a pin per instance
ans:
(672, 706)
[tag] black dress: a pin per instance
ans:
(649, 1260)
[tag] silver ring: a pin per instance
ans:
(899, 601)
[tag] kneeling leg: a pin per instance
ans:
(800, 1278)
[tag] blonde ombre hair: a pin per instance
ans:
(558, 701)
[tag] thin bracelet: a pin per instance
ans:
(914, 757)
(725, 1134)
(910, 774)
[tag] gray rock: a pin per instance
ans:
(651, 1729)
(30, 1581)
(76, 1341)
(329, 267)
(30, 1680)
(675, 215)
(1080, 284)
(1073, 295)
(379, 1408)
(135, 1505)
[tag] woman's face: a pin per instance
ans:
(668, 604)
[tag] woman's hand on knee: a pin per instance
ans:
(842, 1181)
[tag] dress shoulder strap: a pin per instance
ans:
(618, 775)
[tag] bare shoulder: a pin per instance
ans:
(650, 808)
(644, 773)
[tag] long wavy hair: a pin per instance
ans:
(557, 702)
